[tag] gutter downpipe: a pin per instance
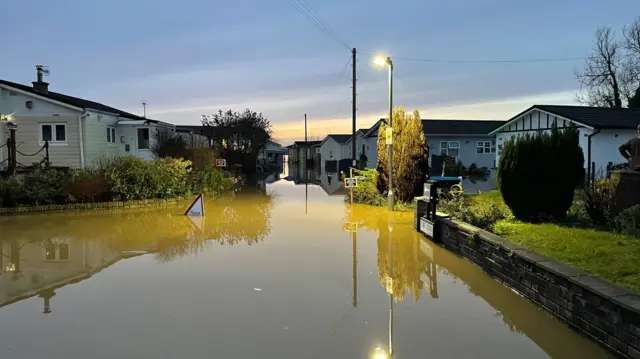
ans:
(80, 137)
(597, 131)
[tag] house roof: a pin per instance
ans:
(305, 144)
(374, 129)
(340, 138)
(363, 130)
(189, 128)
(74, 101)
(459, 127)
(596, 117)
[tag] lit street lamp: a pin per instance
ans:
(381, 61)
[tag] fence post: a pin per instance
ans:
(46, 154)
(12, 150)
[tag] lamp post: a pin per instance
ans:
(381, 61)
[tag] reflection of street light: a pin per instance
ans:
(379, 353)
(380, 61)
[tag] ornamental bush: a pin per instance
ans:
(537, 174)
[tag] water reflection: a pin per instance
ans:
(323, 291)
(39, 267)
(409, 265)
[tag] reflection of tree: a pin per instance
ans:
(166, 232)
(409, 261)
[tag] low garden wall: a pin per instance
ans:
(604, 312)
(107, 206)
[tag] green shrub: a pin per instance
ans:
(537, 174)
(46, 187)
(210, 180)
(628, 221)
(484, 213)
(367, 191)
(598, 201)
(473, 166)
(129, 178)
(11, 192)
(171, 177)
(87, 185)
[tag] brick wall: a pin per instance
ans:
(604, 312)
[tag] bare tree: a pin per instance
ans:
(631, 43)
(602, 73)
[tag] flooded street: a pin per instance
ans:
(265, 275)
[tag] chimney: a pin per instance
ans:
(40, 85)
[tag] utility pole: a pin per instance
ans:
(306, 142)
(353, 108)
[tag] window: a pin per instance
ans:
(486, 147)
(56, 250)
(451, 149)
(111, 135)
(143, 138)
(53, 132)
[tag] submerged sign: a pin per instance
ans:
(197, 208)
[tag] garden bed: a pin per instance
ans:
(607, 254)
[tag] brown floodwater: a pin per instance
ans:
(272, 275)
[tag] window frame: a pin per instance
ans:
(485, 147)
(56, 244)
(54, 134)
(448, 146)
(148, 138)
(111, 133)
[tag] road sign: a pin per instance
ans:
(389, 135)
(351, 182)
(317, 150)
(197, 208)
(221, 162)
(351, 226)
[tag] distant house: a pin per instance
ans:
(193, 135)
(335, 154)
(370, 143)
(79, 132)
(468, 141)
(602, 129)
(271, 154)
(297, 151)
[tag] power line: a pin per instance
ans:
(340, 76)
(305, 9)
(558, 59)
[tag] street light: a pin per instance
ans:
(381, 61)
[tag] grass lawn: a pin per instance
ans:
(612, 256)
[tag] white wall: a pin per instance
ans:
(604, 147)
(330, 150)
(530, 123)
(348, 147)
(14, 102)
(95, 137)
(130, 133)
(371, 145)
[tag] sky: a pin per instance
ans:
(193, 57)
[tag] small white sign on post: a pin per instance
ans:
(389, 135)
(197, 208)
(351, 182)
(221, 162)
